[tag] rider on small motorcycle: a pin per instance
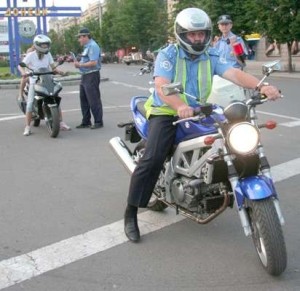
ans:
(193, 63)
(39, 58)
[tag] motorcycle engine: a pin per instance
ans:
(196, 196)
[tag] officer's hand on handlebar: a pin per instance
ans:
(271, 92)
(185, 111)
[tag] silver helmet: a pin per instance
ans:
(189, 20)
(42, 43)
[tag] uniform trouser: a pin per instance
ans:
(90, 98)
(161, 135)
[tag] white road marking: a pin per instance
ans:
(68, 110)
(291, 123)
(130, 86)
(51, 257)
(278, 115)
(27, 266)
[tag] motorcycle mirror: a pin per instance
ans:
(171, 89)
(22, 65)
(271, 66)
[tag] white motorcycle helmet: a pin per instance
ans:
(189, 20)
(42, 43)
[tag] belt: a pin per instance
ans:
(89, 72)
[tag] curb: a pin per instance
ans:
(66, 81)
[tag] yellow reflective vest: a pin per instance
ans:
(204, 85)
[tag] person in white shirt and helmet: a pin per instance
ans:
(39, 58)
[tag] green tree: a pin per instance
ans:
(57, 40)
(111, 39)
(235, 8)
(278, 20)
(70, 40)
(140, 23)
(275, 19)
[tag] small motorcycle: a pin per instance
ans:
(46, 101)
(217, 162)
(148, 68)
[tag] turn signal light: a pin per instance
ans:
(271, 124)
(209, 140)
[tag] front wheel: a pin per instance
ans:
(267, 235)
(52, 120)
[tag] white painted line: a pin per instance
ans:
(286, 170)
(130, 86)
(35, 263)
(68, 110)
(11, 118)
(291, 123)
(27, 266)
(278, 115)
(69, 92)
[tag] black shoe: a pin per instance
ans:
(97, 125)
(83, 126)
(131, 229)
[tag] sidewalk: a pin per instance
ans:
(255, 68)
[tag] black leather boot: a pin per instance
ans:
(131, 228)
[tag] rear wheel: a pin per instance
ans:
(52, 120)
(267, 235)
(154, 204)
(36, 122)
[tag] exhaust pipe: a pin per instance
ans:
(123, 153)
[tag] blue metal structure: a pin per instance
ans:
(40, 12)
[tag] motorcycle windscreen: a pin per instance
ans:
(254, 188)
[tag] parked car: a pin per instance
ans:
(133, 58)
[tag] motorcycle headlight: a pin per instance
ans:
(243, 138)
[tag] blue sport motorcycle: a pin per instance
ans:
(217, 161)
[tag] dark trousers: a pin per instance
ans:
(90, 99)
(160, 141)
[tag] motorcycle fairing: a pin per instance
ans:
(45, 85)
(190, 129)
(185, 130)
(254, 188)
(46, 91)
(137, 108)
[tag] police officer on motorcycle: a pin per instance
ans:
(193, 63)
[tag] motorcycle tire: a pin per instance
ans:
(52, 120)
(36, 122)
(154, 203)
(267, 235)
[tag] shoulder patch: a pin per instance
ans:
(213, 51)
(166, 65)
